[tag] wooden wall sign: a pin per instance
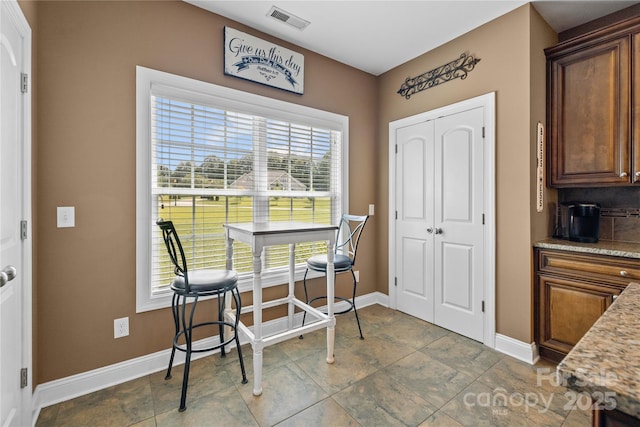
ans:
(540, 167)
(251, 58)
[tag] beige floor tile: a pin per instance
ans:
(287, 390)
(224, 408)
(467, 356)
(149, 422)
(326, 413)
(47, 416)
(204, 378)
(515, 376)
(121, 405)
(410, 332)
(375, 351)
(272, 357)
(348, 368)
(377, 315)
(378, 400)
(429, 378)
(440, 419)
(479, 405)
(578, 418)
(311, 343)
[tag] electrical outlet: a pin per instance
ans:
(121, 327)
(357, 274)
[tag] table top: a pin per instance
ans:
(607, 358)
(278, 227)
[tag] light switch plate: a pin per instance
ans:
(372, 209)
(66, 216)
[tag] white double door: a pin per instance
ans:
(440, 234)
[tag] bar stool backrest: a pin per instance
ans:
(349, 233)
(174, 247)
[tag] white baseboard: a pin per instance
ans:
(520, 350)
(63, 389)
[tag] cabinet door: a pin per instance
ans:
(589, 115)
(567, 309)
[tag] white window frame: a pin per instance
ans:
(227, 98)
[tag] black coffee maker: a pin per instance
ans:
(579, 222)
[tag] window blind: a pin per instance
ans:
(211, 165)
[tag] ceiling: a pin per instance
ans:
(376, 36)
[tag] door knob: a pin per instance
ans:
(623, 174)
(429, 230)
(637, 174)
(438, 231)
(7, 274)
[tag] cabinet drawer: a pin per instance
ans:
(597, 268)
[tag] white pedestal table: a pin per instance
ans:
(258, 236)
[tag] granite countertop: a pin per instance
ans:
(606, 361)
(602, 247)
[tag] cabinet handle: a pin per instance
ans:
(614, 297)
(624, 273)
(623, 174)
(637, 174)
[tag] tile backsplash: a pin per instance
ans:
(619, 224)
(620, 210)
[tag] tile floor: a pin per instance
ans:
(405, 373)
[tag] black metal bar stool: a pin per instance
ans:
(189, 286)
(349, 233)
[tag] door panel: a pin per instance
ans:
(457, 167)
(459, 200)
(414, 202)
(457, 279)
(413, 266)
(414, 178)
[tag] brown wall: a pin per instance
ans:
(507, 66)
(87, 54)
(542, 36)
(84, 148)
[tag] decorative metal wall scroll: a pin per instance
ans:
(457, 69)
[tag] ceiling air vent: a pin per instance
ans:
(287, 18)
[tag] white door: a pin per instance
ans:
(14, 398)
(414, 210)
(439, 227)
(459, 205)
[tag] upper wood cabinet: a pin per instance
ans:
(592, 126)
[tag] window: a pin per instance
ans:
(207, 155)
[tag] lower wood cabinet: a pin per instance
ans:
(612, 418)
(571, 291)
